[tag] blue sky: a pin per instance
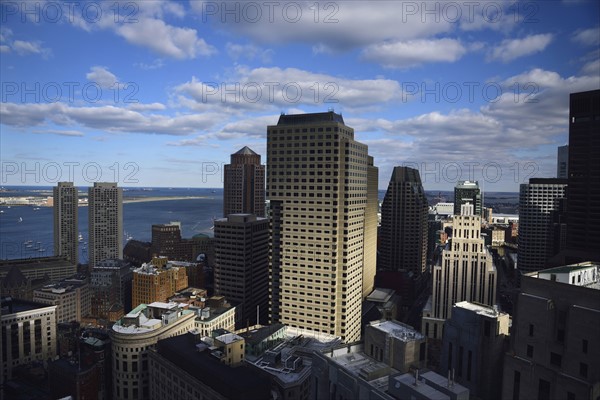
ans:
(159, 93)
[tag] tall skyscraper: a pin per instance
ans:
(583, 208)
(562, 162)
(404, 213)
(539, 200)
(317, 184)
(105, 220)
(244, 184)
(241, 272)
(467, 192)
(66, 226)
(466, 273)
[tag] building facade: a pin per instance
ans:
(539, 203)
(28, 333)
(157, 281)
(131, 338)
(71, 298)
(241, 271)
(105, 220)
(562, 162)
(475, 339)
(583, 213)
(404, 213)
(466, 273)
(467, 192)
(317, 186)
(554, 349)
(110, 284)
(244, 184)
(66, 228)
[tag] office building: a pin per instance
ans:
(167, 242)
(157, 281)
(71, 297)
(475, 340)
(131, 338)
(241, 271)
(110, 285)
(466, 273)
(319, 197)
(404, 213)
(105, 220)
(467, 192)
(554, 349)
(244, 184)
(199, 374)
(562, 162)
(28, 333)
(66, 228)
(583, 213)
(539, 203)
(55, 268)
(370, 228)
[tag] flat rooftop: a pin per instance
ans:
(398, 330)
(478, 308)
(12, 306)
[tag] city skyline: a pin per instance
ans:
(163, 97)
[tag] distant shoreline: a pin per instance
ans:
(125, 201)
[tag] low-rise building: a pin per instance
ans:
(426, 386)
(184, 368)
(71, 297)
(131, 338)
(157, 281)
(396, 344)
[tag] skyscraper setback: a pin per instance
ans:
(244, 184)
(404, 212)
(467, 192)
(66, 204)
(105, 204)
(317, 184)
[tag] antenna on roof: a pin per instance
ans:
(282, 113)
(331, 109)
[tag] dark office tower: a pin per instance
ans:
(320, 216)
(244, 184)
(562, 162)
(66, 236)
(242, 265)
(404, 212)
(540, 202)
(166, 238)
(105, 213)
(370, 228)
(583, 206)
(467, 192)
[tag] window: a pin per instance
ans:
(555, 359)
(584, 346)
(543, 389)
(516, 385)
(560, 335)
(529, 351)
(530, 329)
(583, 369)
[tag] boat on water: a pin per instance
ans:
(20, 219)
(80, 238)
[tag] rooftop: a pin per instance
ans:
(380, 295)
(246, 151)
(398, 330)
(234, 383)
(256, 336)
(478, 308)
(229, 338)
(311, 118)
(12, 306)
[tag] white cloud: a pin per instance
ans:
(587, 37)
(166, 40)
(279, 88)
(102, 76)
(415, 52)
(511, 49)
(4, 49)
(105, 118)
(72, 133)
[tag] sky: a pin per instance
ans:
(160, 93)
